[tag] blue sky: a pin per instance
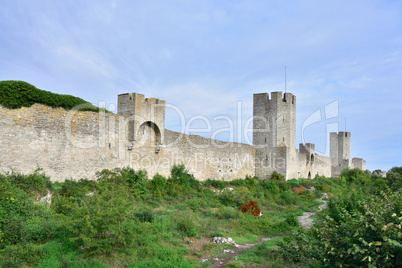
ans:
(207, 56)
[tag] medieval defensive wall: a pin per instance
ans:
(74, 144)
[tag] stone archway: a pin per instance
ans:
(309, 175)
(149, 136)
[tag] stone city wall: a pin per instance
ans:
(75, 144)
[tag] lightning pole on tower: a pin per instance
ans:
(285, 80)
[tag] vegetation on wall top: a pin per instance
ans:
(17, 94)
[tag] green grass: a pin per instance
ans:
(132, 227)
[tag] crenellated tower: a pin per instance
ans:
(147, 119)
(340, 152)
(274, 135)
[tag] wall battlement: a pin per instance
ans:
(276, 96)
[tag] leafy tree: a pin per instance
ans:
(394, 178)
(356, 176)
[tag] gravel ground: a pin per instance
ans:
(306, 220)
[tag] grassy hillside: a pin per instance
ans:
(17, 94)
(124, 219)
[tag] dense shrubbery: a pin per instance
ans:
(125, 219)
(17, 94)
(359, 228)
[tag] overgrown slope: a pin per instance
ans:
(17, 94)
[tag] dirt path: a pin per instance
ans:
(306, 221)
(237, 250)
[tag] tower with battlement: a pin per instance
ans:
(147, 120)
(340, 152)
(274, 135)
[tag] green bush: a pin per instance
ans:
(293, 183)
(394, 178)
(184, 224)
(288, 197)
(103, 222)
(228, 213)
(358, 230)
(64, 204)
(157, 185)
(22, 255)
(292, 220)
(307, 183)
(275, 176)
(356, 176)
(73, 188)
(144, 214)
(271, 186)
(283, 185)
(180, 175)
(17, 94)
(219, 184)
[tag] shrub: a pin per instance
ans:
(293, 183)
(227, 213)
(241, 195)
(185, 225)
(144, 214)
(275, 176)
(284, 186)
(227, 198)
(133, 178)
(288, 197)
(72, 188)
(307, 184)
(181, 182)
(219, 184)
(63, 204)
(364, 232)
(309, 196)
(22, 255)
(326, 188)
(292, 220)
(271, 186)
(157, 185)
(357, 176)
(103, 222)
(394, 178)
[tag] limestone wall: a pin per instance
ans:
(72, 144)
(205, 158)
(66, 144)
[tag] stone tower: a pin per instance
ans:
(147, 120)
(274, 135)
(340, 152)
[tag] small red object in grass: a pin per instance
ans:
(252, 208)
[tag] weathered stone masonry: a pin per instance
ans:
(75, 144)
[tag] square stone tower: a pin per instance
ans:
(147, 119)
(340, 152)
(274, 133)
